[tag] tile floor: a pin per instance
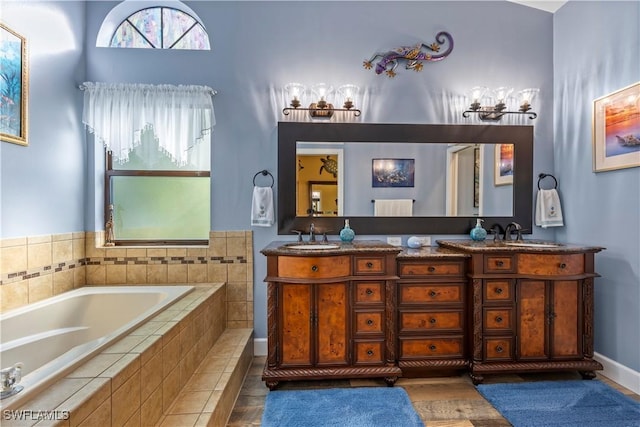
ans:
(450, 401)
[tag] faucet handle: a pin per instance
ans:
(299, 234)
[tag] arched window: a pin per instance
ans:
(167, 25)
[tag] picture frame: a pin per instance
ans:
(14, 86)
(503, 165)
(392, 172)
(616, 130)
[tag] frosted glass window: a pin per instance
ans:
(161, 28)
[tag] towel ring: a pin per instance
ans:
(264, 173)
(544, 175)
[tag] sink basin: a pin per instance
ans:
(533, 244)
(312, 247)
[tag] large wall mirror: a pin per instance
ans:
(403, 178)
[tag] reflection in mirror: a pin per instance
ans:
(355, 145)
(320, 170)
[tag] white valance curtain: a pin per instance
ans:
(117, 113)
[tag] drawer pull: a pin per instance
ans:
(369, 291)
(498, 291)
(563, 265)
(369, 322)
(499, 349)
(432, 347)
(433, 294)
(369, 264)
(431, 269)
(370, 352)
(314, 268)
(432, 320)
(499, 263)
(498, 319)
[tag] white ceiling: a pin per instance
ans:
(549, 6)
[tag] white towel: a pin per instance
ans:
(548, 209)
(262, 207)
(393, 207)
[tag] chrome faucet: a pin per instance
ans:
(312, 233)
(513, 226)
(9, 377)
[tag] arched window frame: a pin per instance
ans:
(120, 13)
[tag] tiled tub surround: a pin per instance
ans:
(136, 381)
(37, 267)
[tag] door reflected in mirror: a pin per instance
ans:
(319, 178)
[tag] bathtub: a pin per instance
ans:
(53, 336)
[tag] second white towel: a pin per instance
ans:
(548, 209)
(393, 207)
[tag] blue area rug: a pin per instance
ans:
(562, 404)
(344, 407)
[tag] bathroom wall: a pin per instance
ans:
(596, 52)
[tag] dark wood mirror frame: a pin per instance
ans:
(289, 133)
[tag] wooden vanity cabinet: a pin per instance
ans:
(532, 312)
(330, 316)
(432, 313)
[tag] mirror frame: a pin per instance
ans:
(289, 133)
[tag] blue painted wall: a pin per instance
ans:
(257, 47)
(597, 51)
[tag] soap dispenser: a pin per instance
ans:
(478, 233)
(347, 234)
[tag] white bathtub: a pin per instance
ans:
(53, 336)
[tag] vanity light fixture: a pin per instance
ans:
(321, 95)
(498, 99)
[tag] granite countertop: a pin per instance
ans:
(514, 246)
(285, 247)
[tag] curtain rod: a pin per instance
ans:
(211, 91)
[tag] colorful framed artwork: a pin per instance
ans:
(393, 173)
(616, 130)
(503, 172)
(13, 86)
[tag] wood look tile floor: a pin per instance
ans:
(445, 401)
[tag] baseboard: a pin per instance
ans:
(624, 376)
(259, 346)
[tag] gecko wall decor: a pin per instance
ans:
(413, 56)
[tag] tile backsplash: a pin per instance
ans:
(36, 267)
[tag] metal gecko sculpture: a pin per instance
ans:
(413, 55)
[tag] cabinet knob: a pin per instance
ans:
(563, 265)
(499, 263)
(369, 291)
(432, 347)
(499, 349)
(498, 319)
(314, 268)
(431, 269)
(369, 264)
(369, 352)
(498, 291)
(432, 320)
(369, 322)
(432, 294)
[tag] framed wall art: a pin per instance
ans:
(503, 173)
(616, 130)
(14, 83)
(393, 173)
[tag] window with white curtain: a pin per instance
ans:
(158, 144)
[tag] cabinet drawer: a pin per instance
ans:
(498, 291)
(550, 264)
(431, 321)
(314, 267)
(369, 322)
(369, 265)
(425, 293)
(438, 347)
(498, 349)
(368, 352)
(498, 264)
(498, 319)
(416, 269)
(369, 292)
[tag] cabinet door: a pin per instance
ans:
(296, 321)
(332, 324)
(532, 320)
(566, 319)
